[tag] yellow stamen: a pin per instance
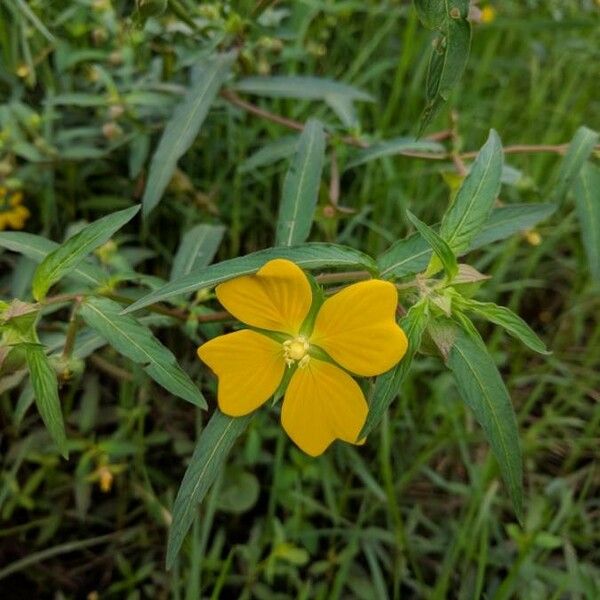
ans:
(296, 351)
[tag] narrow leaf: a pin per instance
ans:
(506, 318)
(405, 257)
(214, 444)
(441, 249)
(387, 386)
(307, 256)
(301, 187)
(197, 249)
(396, 146)
(587, 202)
(37, 248)
(71, 253)
(270, 153)
(579, 150)
(483, 390)
(183, 127)
(45, 388)
(136, 342)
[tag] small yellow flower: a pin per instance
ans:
(12, 213)
(488, 14)
(354, 331)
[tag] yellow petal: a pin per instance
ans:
(249, 366)
(322, 403)
(277, 297)
(357, 328)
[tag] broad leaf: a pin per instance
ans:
(45, 388)
(475, 197)
(136, 342)
(71, 253)
(301, 187)
(587, 201)
(579, 150)
(214, 444)
(440, 248)
(387, 386)
(307, 256)
(483, 390)
(183, 127)
(37, 248)
(197, 249)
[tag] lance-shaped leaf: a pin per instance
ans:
(45, 389)
(37, 248)
(441, 249)
(301, 187)
(136, 342)
(475, 198)
(183, 127)
(388, 385)
(579, 150)
(506, 318)
(307, 256)
(587, 202)
(397, 146)
(214, 444)
(483, 390)
(197, 249)
(71, 253)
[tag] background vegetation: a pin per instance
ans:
(419, 511)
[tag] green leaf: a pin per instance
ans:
(37, 248)
(71, 253)
(136, 342)
(197, 249)
(309, 88)
(475, 197)
(400, 145)
(307, 256)
(214, 444)
(183, 127)
(45, 388)
(483, 390)
(270, 153)
(441, 249)
(587, 202)
(432, 13)
(387, 386)
(301, 187)
(506, 318)
(579, 150)
(508, 220)
(405, 257)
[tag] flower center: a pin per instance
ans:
(296, 351)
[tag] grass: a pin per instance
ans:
(419, 511)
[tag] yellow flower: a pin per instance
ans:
(12, 214)
(488, 14)
(354, 331)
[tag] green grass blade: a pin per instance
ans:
(587, 202)
(307, 256)
(579, 150)
(211, 451)
(45, 389)
(183, 127)
(301, 187)
(136, 342)
(483, 390)
(197, 249)
(71, 253)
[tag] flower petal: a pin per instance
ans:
(322, 403)
(277, 297)
(249, 366)
(357, 328)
